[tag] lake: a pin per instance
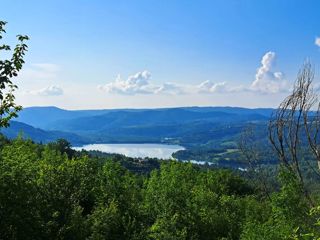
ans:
(161, 151)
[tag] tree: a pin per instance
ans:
(9, 68)
(63, 146)
(294, 126)
(251, 151)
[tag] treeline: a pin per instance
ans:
(51, 192)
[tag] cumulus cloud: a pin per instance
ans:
(211, 87)
(48, 91)
(138, 83)
(317, 41)
(266, 80)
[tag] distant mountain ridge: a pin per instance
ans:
(40, 116)
(184, 125)
(49, 117)
(39, 135)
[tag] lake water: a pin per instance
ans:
(161, 151)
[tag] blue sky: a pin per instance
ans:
(117, 54)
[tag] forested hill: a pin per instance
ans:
(50, 118)
(51, 192)
(39, 135)
(187, 125)
(208, 133)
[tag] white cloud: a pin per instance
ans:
(317, 41)
(266, 80)
(211, 87)
(171, 88)
(48, 91)
(39, 79)
(138, 83)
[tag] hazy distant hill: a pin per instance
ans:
(235, 110)
(39, 135)
(42, 116)
(120, 119)
(59, 119)
(186, 125)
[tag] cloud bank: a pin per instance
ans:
(266, 81)
(140, 83)
(211, 87)
(171, 88)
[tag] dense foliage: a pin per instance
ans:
(52, 192)
(10, 68)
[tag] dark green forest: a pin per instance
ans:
(52, 192)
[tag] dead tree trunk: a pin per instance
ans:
(295, 125)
